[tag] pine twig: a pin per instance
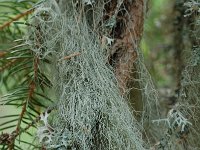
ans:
(71, 55)
(30, 94)
(6, 138)
(2, 54)
(6, 24)
(7, 65)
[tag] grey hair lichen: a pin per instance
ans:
(91, 112)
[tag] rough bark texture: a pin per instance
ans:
(127, 34)
(124, 52)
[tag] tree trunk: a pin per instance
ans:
(127, 34)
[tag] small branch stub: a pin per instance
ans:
(70, 56)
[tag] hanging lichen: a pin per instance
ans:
(91, 112)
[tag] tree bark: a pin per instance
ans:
(127, 34)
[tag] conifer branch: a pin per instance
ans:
(26, 13)
(32, 87)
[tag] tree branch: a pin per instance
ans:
(6, 24)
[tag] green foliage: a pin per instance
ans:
(23, 85)
(157, 40)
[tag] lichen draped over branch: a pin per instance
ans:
(92, 113)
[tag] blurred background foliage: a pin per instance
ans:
(157, 42)
(156, 45)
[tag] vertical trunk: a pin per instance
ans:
(183, 40)
(127, 34)
(186, 45)
(124, 52)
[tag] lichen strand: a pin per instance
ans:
(92, 113)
